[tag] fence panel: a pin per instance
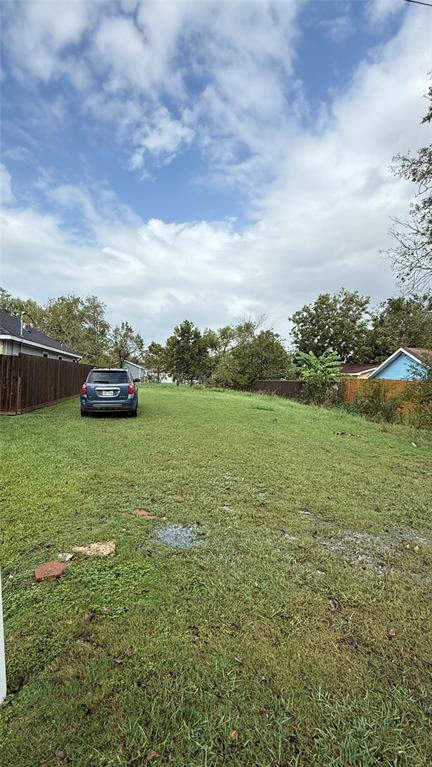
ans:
(291, 389)
(352, 386)
(28, 382)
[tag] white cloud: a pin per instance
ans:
(121, 54)
(130, 61)
(320, 199)
(38, 32)
(339, 28)
(6, 193)
(161, 137)
(17, 153)
(379, 10)
(153, 273)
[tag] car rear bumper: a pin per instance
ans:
(119, 406)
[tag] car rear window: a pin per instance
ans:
(108, 376)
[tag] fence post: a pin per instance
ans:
(2, 652)
(58, 379)
(18, 404)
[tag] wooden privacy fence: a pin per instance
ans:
(28, 382)
(292, 389)
(351, 387)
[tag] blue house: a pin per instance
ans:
(405, 364)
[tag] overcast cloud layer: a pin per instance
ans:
(214, 88)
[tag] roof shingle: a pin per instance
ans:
(420, 354)
(11, 326)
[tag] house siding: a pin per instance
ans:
(136, 371)
(400, 369)
(16, 347)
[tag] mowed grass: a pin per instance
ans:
(265, 645)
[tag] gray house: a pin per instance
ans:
(136, 371)
(16, 337)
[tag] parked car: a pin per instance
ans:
(109, 390)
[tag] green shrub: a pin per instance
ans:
(378, 404)
(321, 376)
(419, 400)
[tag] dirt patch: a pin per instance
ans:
(181, 536)
(144, 513)
(373, 553)
(102, 549)
(369, 552)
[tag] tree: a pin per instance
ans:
(154, 359)
(63, 320)
(186, 353)
(261, 357)
(125, 344)
(337, 323)
(411, 257)
(319, 373)
(399, 322)
(95, 332)
(221, 342)
(250, 356)
(32, 312)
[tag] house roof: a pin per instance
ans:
(351, 368)
(418, 355)
(135, 364)
(11, 326)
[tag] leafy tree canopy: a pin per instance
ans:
(251, 356)
(155, 359)
(338, 323)
(32, 311)
(411, 257)
(399, 322)
(186, 353)
(125, 344)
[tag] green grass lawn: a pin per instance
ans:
(298, 631)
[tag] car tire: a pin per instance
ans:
(134, 413)
(83, 413)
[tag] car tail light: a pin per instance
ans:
(84, 389)
(131, 389)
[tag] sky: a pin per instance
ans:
(204, 159)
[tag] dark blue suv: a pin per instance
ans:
(109, 390)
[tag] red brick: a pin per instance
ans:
(50, 570)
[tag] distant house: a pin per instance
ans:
(358, 370)
(136, 371)
(405, 364)
(16, 337)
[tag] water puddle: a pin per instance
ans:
(181, 536)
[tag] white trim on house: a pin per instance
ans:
(393, 357)
(25, 342)
(359, 373)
